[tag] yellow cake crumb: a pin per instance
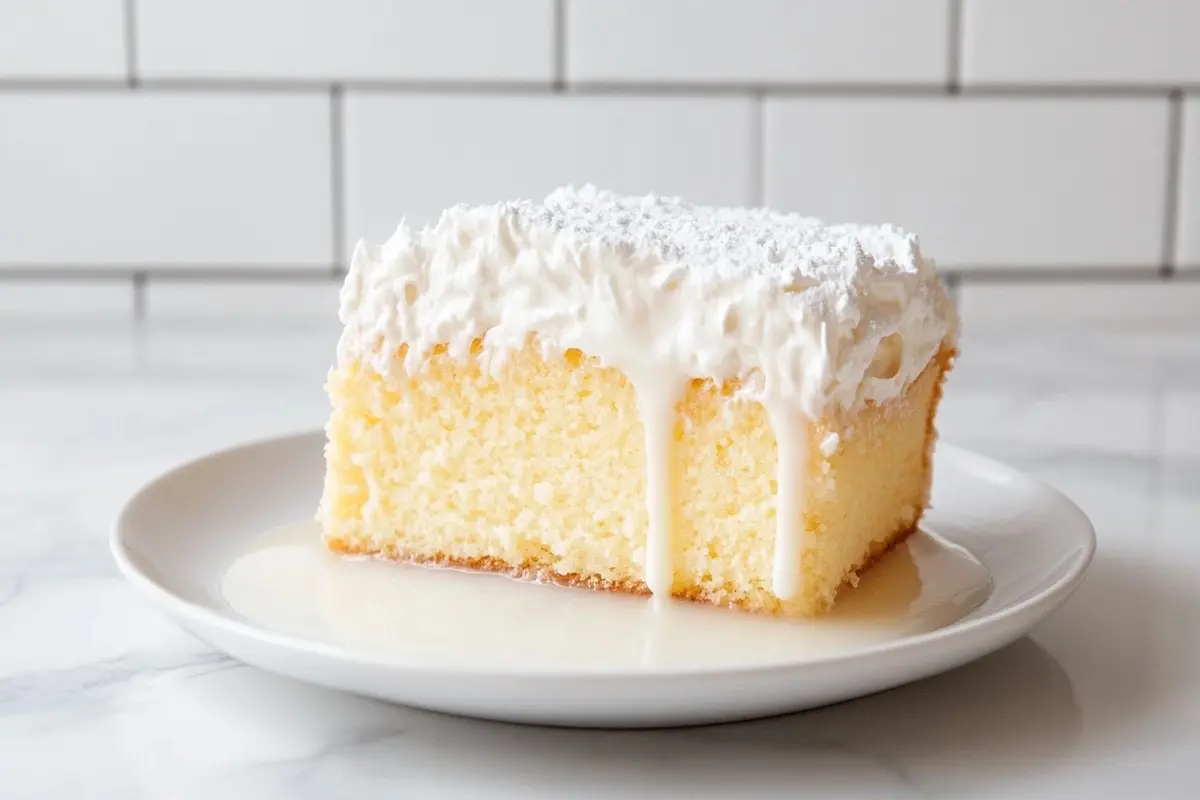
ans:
(539, 471)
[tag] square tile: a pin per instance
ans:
(348, 39)
(760, 41)
(412, 156)
(152, 179)
(985, 182)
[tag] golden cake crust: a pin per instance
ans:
(538, 574)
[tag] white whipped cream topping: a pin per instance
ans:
(809, 317)
(655, 286)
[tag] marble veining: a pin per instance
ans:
(102, 697)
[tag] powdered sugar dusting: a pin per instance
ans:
(729, 243)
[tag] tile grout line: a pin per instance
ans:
(140, 279)
(560, 46)
(188, 273)
(337, 175)
(954, 46)
(953, 284)
(316, 278)
(1170, 244)
(1034, 276)
(132, 80)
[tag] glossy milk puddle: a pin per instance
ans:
(287, 582)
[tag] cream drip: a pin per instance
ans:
(810, 318)
(656, 406)
(790, 541)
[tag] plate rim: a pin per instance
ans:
(195, 614)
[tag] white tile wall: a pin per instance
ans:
(154, 179)
(347, 39)
(1081, 41)
(62, 39)
(411, 156)
(757, 41)
(163, 134)
(1188, 254)
(985, 182)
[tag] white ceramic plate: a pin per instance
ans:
(185, 539)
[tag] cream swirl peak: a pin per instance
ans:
(806, 315)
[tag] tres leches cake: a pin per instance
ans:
(637, 394)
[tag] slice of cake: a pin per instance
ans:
(640, 395)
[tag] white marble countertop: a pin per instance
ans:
(102, 697)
